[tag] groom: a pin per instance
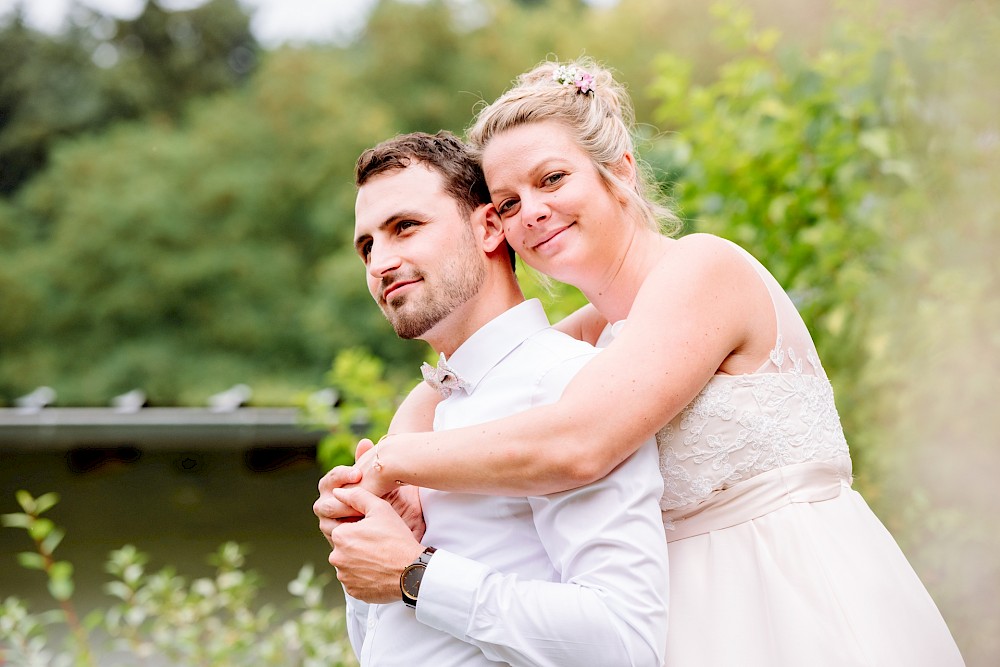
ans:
(574, 578)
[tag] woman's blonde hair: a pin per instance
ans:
(602, 122)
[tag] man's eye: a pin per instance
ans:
(366, 250)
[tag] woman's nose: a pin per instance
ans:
(534, 210)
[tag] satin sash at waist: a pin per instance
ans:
(809, 482)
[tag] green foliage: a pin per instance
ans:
(364, 401)
(796, 156)
(212, 621)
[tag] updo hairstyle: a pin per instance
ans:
(601, 122)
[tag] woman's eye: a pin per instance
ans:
(552, 179)
(406, 224)
(507, 206)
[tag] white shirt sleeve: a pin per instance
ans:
(356, 619)
(607, 542)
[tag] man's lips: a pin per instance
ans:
(395, 286)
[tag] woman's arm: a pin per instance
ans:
(416, 412)
(584, 324)
(696, 309)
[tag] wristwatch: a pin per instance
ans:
(409, 581)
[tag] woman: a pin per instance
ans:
(774, 559)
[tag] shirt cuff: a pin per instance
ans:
(448, 592)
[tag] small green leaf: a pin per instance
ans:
(876, 141)
(26, 501)
(92, 620)
(61, 570)
(61, 589)
(52, 540)
(118, 589)
(41, 528)
(31, 560)
(46, 502)
(18, 520)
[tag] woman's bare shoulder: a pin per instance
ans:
(701, 262)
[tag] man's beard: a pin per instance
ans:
(461, 278)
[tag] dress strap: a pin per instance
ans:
(791, 333)
(809, 482)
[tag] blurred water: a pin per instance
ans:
(178, 507)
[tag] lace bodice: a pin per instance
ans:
(742, 425)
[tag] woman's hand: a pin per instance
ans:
(373, 479)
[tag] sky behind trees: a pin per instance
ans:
(274, 21)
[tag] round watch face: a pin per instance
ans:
(410, 581)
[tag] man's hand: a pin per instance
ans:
(327, 508)
(406, 501)
(372, 553)
(330, 511)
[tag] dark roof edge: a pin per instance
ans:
(161, 428)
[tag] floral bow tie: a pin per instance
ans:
(443, 377)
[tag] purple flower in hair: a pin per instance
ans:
(570, 75)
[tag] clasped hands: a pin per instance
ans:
(374, 534)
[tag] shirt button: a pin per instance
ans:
(371, 623)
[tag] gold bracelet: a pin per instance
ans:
(376, 464)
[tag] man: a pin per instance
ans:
(575, 578)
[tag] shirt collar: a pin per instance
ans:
(496, 339)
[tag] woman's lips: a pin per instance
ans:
(551, 236)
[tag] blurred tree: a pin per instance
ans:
(100, 70)
(161, 59)
(48, 89)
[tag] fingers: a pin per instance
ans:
(329, 507)
(360, 500)
(338, 477)
(363, 446)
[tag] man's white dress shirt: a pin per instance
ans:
(570, 579)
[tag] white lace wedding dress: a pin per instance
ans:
(774, 560)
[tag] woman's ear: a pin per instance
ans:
(626, 169)
(486, 218)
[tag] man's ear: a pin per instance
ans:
(487, 219)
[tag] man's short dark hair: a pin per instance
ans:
(444, 153)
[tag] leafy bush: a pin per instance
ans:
(160, 617)
(797, 156)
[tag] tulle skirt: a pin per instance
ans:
(810, 584)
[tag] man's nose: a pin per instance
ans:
(383, 261)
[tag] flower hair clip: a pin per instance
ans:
(570, 75)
